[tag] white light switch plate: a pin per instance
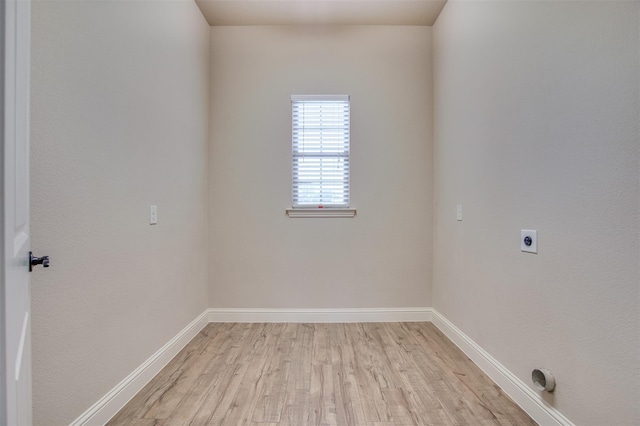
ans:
(153, 215)
(459, 212)
(529, 240)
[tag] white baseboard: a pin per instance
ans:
(109, 405)
(525, 397)
(320, 315)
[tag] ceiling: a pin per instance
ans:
(320, 12)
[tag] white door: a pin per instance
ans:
(16, 374)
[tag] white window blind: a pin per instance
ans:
(320, 150)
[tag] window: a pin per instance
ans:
(320, 131)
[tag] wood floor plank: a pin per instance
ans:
(347, 398)
(355, 374)
(189, 406)
(239, 360)
(296, 404)
(272, 395)
(296, 411)
(370, 381)
(253, 382)
(322, 409)
(215, 374)
(418, 393)
(190, 371)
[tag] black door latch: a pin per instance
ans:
(33, 261)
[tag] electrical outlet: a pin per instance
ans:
(459, 212)
(529, 240)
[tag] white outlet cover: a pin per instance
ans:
(533, 234)
(459, 212)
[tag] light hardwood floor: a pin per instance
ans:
(373, 374)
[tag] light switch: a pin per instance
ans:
(529, 240)
(153, 215)
(459, 212)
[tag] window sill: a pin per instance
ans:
(324, 213)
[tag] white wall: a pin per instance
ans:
(120, 121)
(537, 126)
(259, 258)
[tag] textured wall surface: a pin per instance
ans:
(120, 119)
(259, 258)
(537, 127)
